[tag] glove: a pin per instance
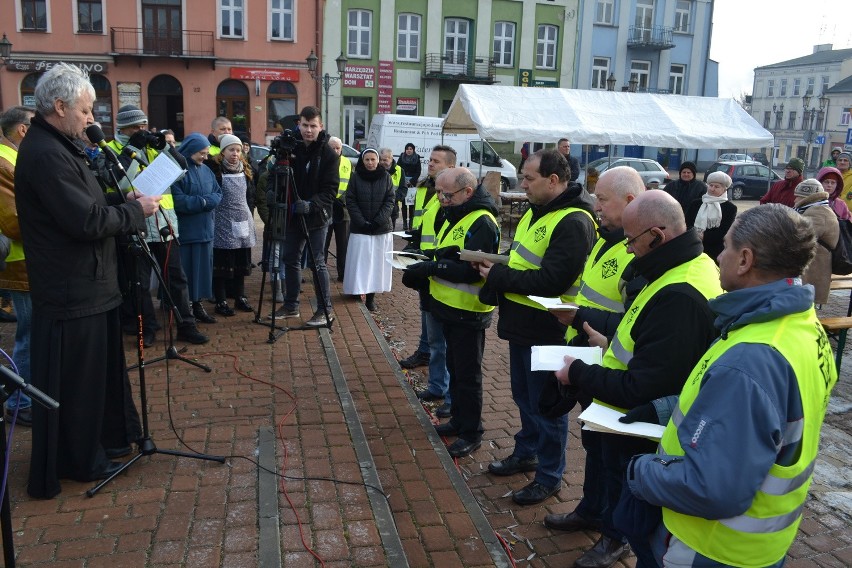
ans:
(139, 139)
(369, 226)
(302, 207)
(178, 157)
(642, 413)
(416, 275)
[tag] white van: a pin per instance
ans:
(394, 131)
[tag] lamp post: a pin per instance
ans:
(326, 80)
(610, 82)
(811, 117)
(5, 52)
(632, 84)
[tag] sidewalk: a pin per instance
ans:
(337, 418)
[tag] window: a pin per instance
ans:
(90, 17)
(232, 18)
(280, 102)
(603, 12)
(766, 116)
(408, 37)
(281, 19)
(677, 76)
(358, 33)
(34, 14)
(600, 72)
(844, 115)
(824, 84)
(797, 86)
(791, 120)
(641, 72)
(783, 90)
(770, 88)
(504, 44)
(810, 90)
(545, 53)
(681, 23)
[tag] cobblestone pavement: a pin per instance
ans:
(355, 473)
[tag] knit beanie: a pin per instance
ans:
(796, 164)
(844, 155)
(688, 166)
(228, 140)
(808, 187)
(128, 115)
(720, 177)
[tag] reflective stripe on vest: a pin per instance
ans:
(530, 245)
(428, 230)
(700, 272)
(345, 171)
(762, 535)
(420, 206)
(462, 296)
(16, 248)
(601, 276)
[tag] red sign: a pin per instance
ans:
(263, 74)
(385, 94)
(361, 76)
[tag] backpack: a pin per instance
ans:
(841, 255)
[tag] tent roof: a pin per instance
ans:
(537, 114)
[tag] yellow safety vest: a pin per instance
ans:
(396, 176)
(701, 272)
(345, 170)
(16, 248)
(531, 243)
(420, 206)
(761, 535)
(213, 150)
(459, 295)
(428, 230)
(600, 279)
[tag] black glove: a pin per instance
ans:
(139, 139)
(416, 276)
(642, 413)
(178, 157)
(302, 207)
(368, 226)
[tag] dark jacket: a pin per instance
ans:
(574, 163)
(572, 240)
(684, 192)
(370, 203)
(782, 192)
(671, 334)
(316, 177)
(411, 167)
(713, 238)
(68, 225)
(196, 195)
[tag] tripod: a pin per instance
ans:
(279, 199)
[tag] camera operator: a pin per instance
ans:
(316, 178)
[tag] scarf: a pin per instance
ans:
(236, 169)
(710, 213)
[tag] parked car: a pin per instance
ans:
(761, 158)
(732, 157)
(650, 170)
(750, 179)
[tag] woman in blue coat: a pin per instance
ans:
(196, 195)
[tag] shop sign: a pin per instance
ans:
(360, 76)
(31, 65)
(252, 73)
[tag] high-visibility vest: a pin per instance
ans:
(167, 202)
(345, 171)
(530, 245)
(599, 282)
(428, 230)
(762, 534)
(459, 295)
(420, 205)
(396, 176)
(213, 150)
(700, 272)
(16, 248)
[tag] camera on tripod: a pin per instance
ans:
(282, 146)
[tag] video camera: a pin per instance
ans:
(282, 146)
(143, 138)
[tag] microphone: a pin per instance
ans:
(13, 381)
(96, 136)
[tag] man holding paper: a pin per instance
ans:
(735, 461)
(551, 243)
(661, 337)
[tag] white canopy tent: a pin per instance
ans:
(499, 112)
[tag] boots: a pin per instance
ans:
(370, 302)
(201, 314)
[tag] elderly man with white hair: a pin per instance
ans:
(713, 214)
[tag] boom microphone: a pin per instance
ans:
(96, 136)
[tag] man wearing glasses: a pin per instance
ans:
(662, 335)
(782, 190)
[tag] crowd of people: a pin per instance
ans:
(745, 390)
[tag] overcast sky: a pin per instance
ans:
(753, 33)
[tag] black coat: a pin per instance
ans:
(686, 193)
(713, 238)
(411, 167)
(316, 176)
(370, 204)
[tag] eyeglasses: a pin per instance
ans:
(447, 196)
(648, 230)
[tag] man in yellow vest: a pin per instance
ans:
(339, 215)
(454, 287)
(735, 461)
(220, 126)
(551, 244)
(660, 338)
(14, 124)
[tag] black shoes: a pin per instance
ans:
(444, 411)
(113, 453)
(223, 309)
(149, 336)
(603, 554)
(417, 359)
(200, 314)
(190, 334)
(111, 469)
(319, 319)
(534, 493)
(462, 447)
(429, 396)
(446, 429)
(370, 302)
(513, 465)
(283, 312)
(570, 522)
(243, 305)
(25, 416)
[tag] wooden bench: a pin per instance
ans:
(837, 328)
(840, 282)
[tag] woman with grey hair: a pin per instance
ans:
(712, 214)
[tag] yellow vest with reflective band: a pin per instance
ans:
(701, 272)
(345, 169)
(213, 150)
(420, 206)
(396, 176)
(599, 282)
(762, 535)
(167, 202)
(16, 248)
(459, 295)
(428, 230)
(529, 246)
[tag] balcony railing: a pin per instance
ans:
(163, 43)
(655, 37)
(460, 67)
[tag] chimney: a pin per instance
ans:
(823, 47)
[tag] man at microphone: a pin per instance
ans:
(68, 227)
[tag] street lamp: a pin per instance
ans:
(632, 84)
(610, 82)
(5, 52)
(779, 112)
(811, 117)
(326, 80)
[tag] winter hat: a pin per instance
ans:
(828, 171)
(837, 149)
(244, 138)
(688, 166)
(808, 187)
(720, 177)
(844, 155)
(229, 139)
(193, 143)
(796, 164)
(128, 115)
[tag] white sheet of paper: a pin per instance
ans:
(604, 419)
(402, 234)
(549, 357)
(402, 259)
(478, 256)
(158, 176)
(552, 303)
